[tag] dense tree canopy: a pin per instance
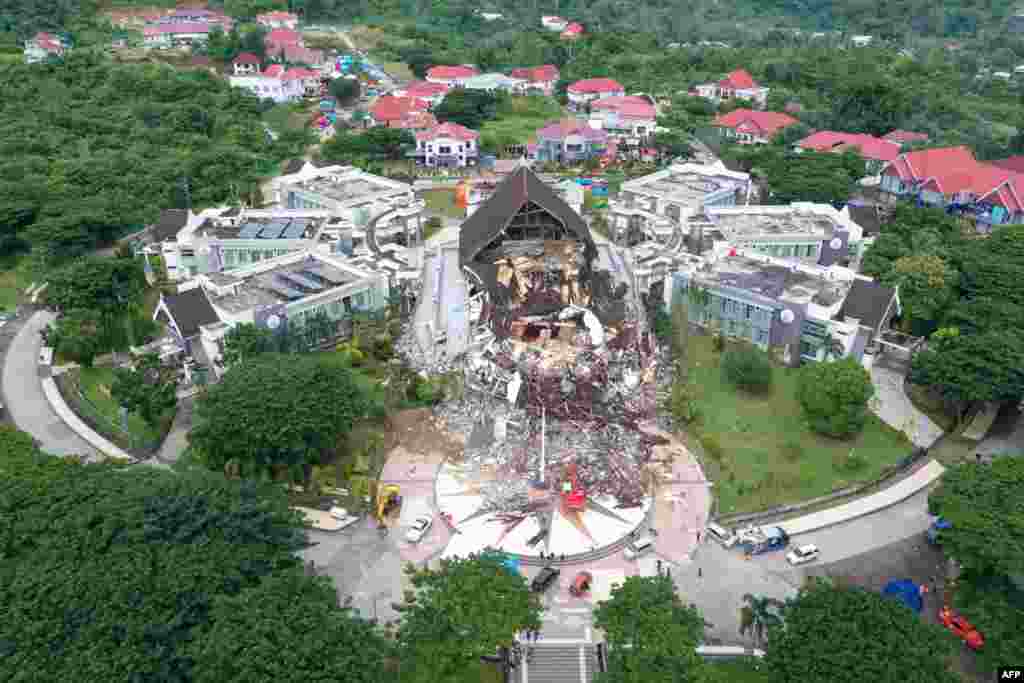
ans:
(97, 283)
(148, 389)
(469, 108)
(375, 143)
(850, 635)
(834, 396)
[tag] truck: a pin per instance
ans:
(762, 539)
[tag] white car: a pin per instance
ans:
(802, 554)
(418, 529)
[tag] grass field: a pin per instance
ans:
(768, 454)
(285, 117)
(442, 202)
(742, 670)
(518, 120)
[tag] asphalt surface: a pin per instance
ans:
(25, 403)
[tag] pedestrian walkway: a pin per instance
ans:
(894, 407)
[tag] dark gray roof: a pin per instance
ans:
(868, 218)
(170, 223)
(867, 301)
(491, 219)
(190, 310)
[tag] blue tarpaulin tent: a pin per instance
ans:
(906, 591)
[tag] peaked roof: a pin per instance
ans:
(740, 79)
(768, 121)
(867, 301)
(283, 36)
(426, 89)
(391, 108)
(188, 310)
(559, 130)
(451, 72)
(869, 146)
(904, 136)
(169, 224)
(448, 130)
(596, 85)
(548, 72)
(1015, 164)
(952, 170)
(274, 71)
(636, 107)
(246, 58)
(492, 218)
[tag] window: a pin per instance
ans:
(787, 251)
(267, 254)
(762, 336)
(230, 258)
(574, 148)
(749, 312)
(188, 253)
(444, 149)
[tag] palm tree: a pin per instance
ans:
(759, 615)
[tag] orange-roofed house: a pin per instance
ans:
(749, 127)
(582, 93)
(452, 76)
(951, 178)
(448, 145)
(572, 31)
(628, 116)
(905, 137)
(739, 84)
(430, 93)
(42, 47)
(390, 111)
(877, 152)
(246, 63)
(538, 79)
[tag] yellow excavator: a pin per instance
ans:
(388, 501)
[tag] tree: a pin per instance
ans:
(672, 144)
(834, 396)
(245, 341)
(926, 286)
(759, 615)
(244, 645)
(345, 90)
(149, 389)
(967, 369)
(994, 604)
(747, 367)
(651, 634)
(377, 142)
(101, 284)
(275, 409)
(851, 635)
(983, 504)
(469, 108)
(78, 335)
(459, 613)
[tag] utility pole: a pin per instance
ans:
(543, 450)
(187, 191)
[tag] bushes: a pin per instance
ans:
(834, 396)
(747, 367)
(712, 447)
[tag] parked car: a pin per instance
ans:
(638, 547)
(722, 535)
(803, 554)
(418, 529)
(543, 580)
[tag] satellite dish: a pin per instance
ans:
(274, 321)
(787, 316)
(836, 243)
(205, 249)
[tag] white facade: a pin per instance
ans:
(494, 83)
(268, 87)
(615, 124)
(555, 24)
(579, 100)
(448, 152)
(712, 91)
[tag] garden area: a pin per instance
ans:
(517, 121)
(759, 448)
(442, 202)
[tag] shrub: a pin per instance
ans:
(712, 447)
(834, 396)
(793, 450)
(718, 341)
(747, 367)
(849, 463)
(684, 407)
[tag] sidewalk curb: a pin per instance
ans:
(76, 425)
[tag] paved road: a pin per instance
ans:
(24, 398)
(1006, 435)
(894, 407)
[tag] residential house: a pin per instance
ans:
(185, 15)
(738, 84)
(951, 178)
(568, 141)
(431, 94)
(582, 93)
(417, 122)
(654, 206)
(876, 152)
(629, 116)
(905, 137)
(43, 46)
(554, 23)
(494, 82)
(185, 313)
(280, 38)
(1015, 163)
(246, 63)
(572, 31)
(452, 76)
(274, 20)
(159, 238)
(540, 79)
(297, 54)
(176, 33)
(390, 111)
(861, 41)
(749, 127)
(447, 145)
(274, 84)
(309, 79)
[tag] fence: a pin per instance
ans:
(92, 415)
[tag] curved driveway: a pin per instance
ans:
(24, 398)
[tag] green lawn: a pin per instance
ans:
(442, 202)
(15, 277)
(95, 384)
(518, 121)
(288, 116)
(769, 455)
(483, 672)
(744, 670)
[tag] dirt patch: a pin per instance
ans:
(418, 430)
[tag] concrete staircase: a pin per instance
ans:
(557, 663)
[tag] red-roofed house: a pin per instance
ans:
(905, 137)
(278, 20)
(538, 78)
(452, 76)
(738, 84)
(877, 152)
(274, 83)
(176, 33)
(390, 111)
(246, 63)
(42, 47)
(309, 79)
(631, 116)
(297, 54)
(950, 177)
(572, 31)
(448, 145)
(553, 23)
(568, 141)
(749, 127)
(1015, 164)
(582, 93)
(279, 38)
(430, 93)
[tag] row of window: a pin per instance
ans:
(788, 250)
(242, 257)
(736, 328)
(741, 310)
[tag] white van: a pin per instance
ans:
(721, 534)
(638, 547)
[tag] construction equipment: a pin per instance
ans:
(388, 501)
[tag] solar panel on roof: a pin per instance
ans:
(285, 291)
(303, 281)
(273, 230)
(250, 230)
(295, 231)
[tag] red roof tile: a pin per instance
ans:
(274, 71)
(418, 120)
(954, 170)
(391, 108)
(426, 89)
(769, 122)
(632, 107)
(905, 136)
(283, 36)
(1015, 164)
(537, 74)
(246, 58)
(869, 146)
(559, 130)
(595, 86)
(573, 29)
(448, 130)
(451, 72)
(740, 79)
